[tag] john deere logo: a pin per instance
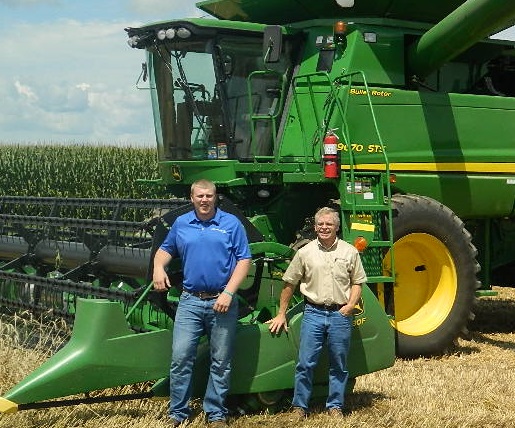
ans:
(176, 173)
(359, 314)
(359, 308)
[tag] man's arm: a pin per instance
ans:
(160, 278)
(239, 274)
(279, 321)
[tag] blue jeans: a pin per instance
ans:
(320, 326)
(194, 319)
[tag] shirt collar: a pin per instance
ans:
(192, 218)
(330, 246)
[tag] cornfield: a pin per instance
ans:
(77, 171)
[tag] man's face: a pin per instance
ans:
(204, 202)
(326, 228)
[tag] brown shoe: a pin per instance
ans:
(222, 423)
(335, 412)
(175, 423)
(297, 414)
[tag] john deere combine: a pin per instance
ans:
(399, 113)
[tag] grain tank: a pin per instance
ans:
(417, 101)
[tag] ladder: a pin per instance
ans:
(365, 194)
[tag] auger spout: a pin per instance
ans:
(103, 352)
(471, 22)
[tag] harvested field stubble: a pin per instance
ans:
(472, 387)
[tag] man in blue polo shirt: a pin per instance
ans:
(216, 258)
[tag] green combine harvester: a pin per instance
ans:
(398, 113)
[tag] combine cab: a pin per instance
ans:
(397, 113)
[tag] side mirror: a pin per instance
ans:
(272, 43)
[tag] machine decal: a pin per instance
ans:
(359, 148)
(176, 172)
(374, 92)
(359, 311)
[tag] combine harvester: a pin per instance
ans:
(398, 113)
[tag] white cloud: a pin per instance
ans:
(63, 99)
(25, 3)
(68, 74)
(83, 86)
(72, 80)
(25, 91)
(167, 9)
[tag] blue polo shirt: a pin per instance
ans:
(209, 250)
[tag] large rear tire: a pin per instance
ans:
(435, 268)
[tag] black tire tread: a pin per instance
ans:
(422, 214)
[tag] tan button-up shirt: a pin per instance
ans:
(326, 275)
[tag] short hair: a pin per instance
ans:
(326, 210)
(203, 184)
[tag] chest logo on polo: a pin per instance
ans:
(219, 230)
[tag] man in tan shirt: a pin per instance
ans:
(330, 274)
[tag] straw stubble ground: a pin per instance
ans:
(472, 387)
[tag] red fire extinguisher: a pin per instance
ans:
(331, 155)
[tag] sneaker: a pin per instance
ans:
(222, 423)
(175, 423)
(335, 412)
(297, 414)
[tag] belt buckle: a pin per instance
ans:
(204, 295)
(332, 307)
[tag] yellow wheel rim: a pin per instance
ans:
(426, 284)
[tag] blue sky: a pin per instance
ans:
(68, 75)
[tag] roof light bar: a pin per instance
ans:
(183, 33)
(142, 38)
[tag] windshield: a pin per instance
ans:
(214, 98)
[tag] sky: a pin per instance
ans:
(68, 75)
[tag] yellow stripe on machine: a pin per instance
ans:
(465, 167)
(365, 227)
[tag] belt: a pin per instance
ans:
(204, 295)
(333, 307)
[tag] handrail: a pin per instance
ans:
(334, 101)
(344, 109)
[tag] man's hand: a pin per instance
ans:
(222, 303)
(277, 323)
(161, 280)
(347, 310)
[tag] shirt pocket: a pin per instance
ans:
(342, 269)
